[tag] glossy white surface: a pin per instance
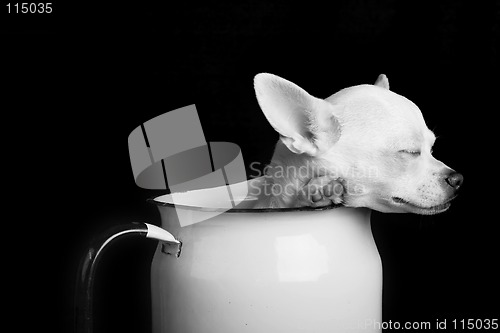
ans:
(299, 271)
(160, 234)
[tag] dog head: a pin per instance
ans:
(371, 138)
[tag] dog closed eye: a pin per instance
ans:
(411, 152)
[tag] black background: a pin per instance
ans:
(77, 81)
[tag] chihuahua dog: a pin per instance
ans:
(364, 146)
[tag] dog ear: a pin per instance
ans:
(305, 123)
(382, 81)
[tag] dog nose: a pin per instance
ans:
(455, 180)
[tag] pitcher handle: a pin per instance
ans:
(86, 270)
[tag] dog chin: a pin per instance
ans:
(410, 207)
(397, 205)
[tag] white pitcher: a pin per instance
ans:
(252, 270)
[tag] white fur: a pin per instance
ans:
(363, 137)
